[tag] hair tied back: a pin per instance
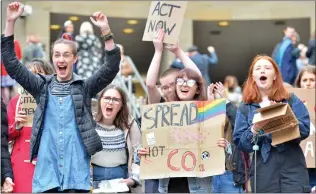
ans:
(66, 36)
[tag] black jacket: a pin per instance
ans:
(81, 92)
(6, 169)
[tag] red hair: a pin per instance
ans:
(277, 92)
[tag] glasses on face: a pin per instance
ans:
(190, 82)
(114, 100)
(167, 87)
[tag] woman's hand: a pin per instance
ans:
(142, 151)
(222, 143)
(101, 21)
(220, 89)
(20, 118)
(210, 92)
(174, 48)
(255, 129)
(14, 11)
(8, 185)
(129, 182)
(158, 40)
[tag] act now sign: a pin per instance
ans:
(166, 15)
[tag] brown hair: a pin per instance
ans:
(307, 68)
(169, 71)
(39, 64)
(277, 92)
(191, 74)
(66, 39)
(121, 119)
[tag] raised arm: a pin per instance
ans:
(212, 59)
(187, 62)
(29, 81)
(110, 68)
(153, 71)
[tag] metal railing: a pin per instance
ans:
(126, 83)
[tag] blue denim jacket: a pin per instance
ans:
(243, 136)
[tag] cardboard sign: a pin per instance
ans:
(280, 121)
(167, 15)
(182, 139)
(308, 97)
(27, 104)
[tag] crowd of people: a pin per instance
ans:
(68, 149)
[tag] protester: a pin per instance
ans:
(280, 168)
(284, 57)
(168, 89)
(194, 90)
(89, 51)
(311, 51)
(33, 49)
(68, 28)
(21, 134)
(234, 92)
(120, 136)
(6, 169)
(234, 178)
(302, 61)
(167, 79)
(64, 104)
(307, 79)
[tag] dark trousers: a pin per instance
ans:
(55, 190)
(151, 186)
(283, 172)
(179, 185)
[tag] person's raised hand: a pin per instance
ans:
(174, 48)
(158, 40)
(210, 92)
(220, 89)
(101, 21)
(14, 11)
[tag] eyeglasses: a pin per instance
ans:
(190, 82)
(167, 87)
(108, 99)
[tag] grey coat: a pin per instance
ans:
(81, 92)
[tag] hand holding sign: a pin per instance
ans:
(158, 40)
(222, 143)
(174, 48)
(21, 118)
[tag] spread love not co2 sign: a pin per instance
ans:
(182, 139)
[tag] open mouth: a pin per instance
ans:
(184, 91)
(263, 78)
(109, 109)
(62, 68)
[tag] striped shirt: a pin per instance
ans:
(114, 147)
(60, 89)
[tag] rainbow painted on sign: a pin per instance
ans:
(210, 109)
